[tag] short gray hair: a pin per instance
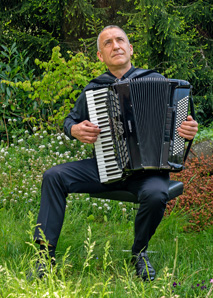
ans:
(110, 27)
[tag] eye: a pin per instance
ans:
(107, 43)
(120, 39)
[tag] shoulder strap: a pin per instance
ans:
(139, 73)
(104, 80)
(107, 79)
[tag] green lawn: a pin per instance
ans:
(94, 250)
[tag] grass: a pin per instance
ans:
(92, 254)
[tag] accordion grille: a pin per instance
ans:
(150, 98)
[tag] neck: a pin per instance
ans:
(119, 72)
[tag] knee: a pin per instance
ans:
(153, 197)
(51, 174)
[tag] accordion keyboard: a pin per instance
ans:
(98, 114)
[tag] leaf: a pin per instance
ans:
(12, 107)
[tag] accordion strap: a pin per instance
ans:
(139, 73)
(107, 79)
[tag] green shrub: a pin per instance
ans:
(204, 133)
(14, 67)
(196, 200)
(51, 97)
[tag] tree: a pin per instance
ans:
(175, 38)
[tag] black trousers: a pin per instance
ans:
(82, 177)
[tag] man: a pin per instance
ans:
(82, 176)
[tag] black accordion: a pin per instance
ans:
(138, 121)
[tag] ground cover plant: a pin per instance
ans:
(93, 253)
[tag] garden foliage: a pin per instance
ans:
(196, 201)
(20, 181)
(14, 67)
(48, 99)
(174, 37)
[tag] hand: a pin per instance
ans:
(86, 132)
(188, 128)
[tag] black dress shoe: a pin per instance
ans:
(41, 268)
(143, 266)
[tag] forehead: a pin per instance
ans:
(111, 34)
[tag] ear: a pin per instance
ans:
(100, 56)
(131, 49)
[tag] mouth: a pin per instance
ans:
(118, 54)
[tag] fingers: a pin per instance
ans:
(90, 132)
(86, 132)
(188, 128)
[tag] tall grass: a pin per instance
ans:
(93, 254)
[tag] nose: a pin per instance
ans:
(115, 45)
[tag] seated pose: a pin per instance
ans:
(151, 187)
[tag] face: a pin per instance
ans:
(115, 50)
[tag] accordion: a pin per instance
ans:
(138, 119)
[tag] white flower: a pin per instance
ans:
(41, 147)
(14, 120)
(100, 208)
(34, 128)
(26, 132)
(94, 204)
(20, 140)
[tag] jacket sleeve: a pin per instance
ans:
(78, 114)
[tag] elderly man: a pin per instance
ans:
(82, 176)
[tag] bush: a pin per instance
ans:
(14, 67)
(51, 97)
(196, 200)
(204, 133)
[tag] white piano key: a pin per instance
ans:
(98, 113)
